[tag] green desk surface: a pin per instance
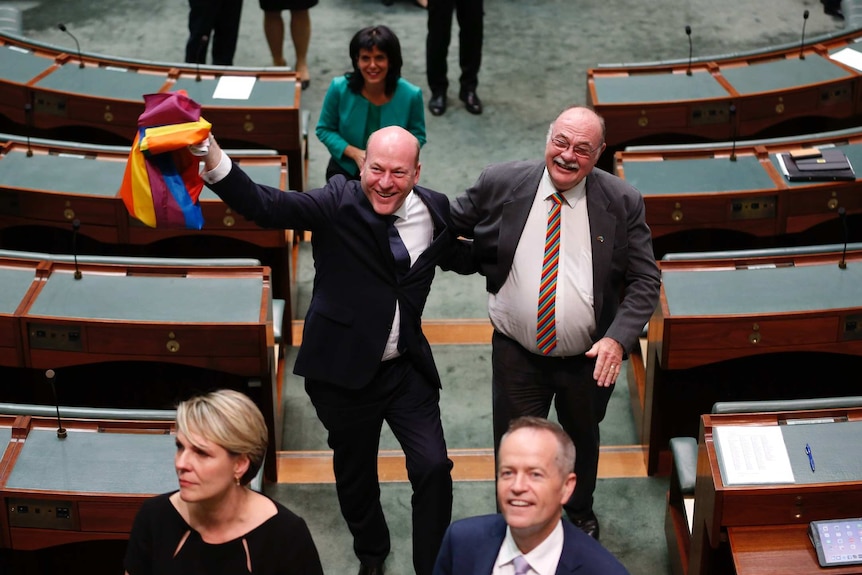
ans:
(90, 176)
(852, 151)
(150, 299)
(92, 462)
(690, 176)
(14, 283)
(265, 94)
(763, 290)
(835, 447)
(67, 173)
(102, 82)
(262, 174)
(5, 436)
(20, 66)
(657, 88)
(782, 74)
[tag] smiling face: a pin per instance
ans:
(391, 168)
(574, 145)
(206, 470)
(373, 65)
(531, 487)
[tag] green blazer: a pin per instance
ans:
(343, 115)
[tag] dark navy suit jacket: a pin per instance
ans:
(470, 547)
(355, 283)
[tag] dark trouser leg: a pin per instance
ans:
(225, 32)
(581, 406)
(519, 387)
(201, 19)
(470, 16)
(437, 43)
(413, 414)
(353, 419)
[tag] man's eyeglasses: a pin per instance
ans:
(581, 150)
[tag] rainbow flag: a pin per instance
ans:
(162, 184)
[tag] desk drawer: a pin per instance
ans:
(790, 506)
(765, 334)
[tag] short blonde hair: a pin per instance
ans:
(230, 419)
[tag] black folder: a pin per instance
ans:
(831, 165)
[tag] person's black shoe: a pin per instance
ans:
(370, 569)
(471, 102)
(437, 104)
(589, 524)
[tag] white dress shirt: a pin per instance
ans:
(513, 310)
(543, 559)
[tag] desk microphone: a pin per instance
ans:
(76, 225)
(802, 43)
(688, 33)
(733, 125)
(202, 46)
(61, 431)
(63, 28)
(842, 215)
(28, 120)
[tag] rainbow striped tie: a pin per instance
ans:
(546, 327)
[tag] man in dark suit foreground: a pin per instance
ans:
(534, 479)
(376, 244)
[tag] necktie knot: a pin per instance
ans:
(557, 198)
(521, 565)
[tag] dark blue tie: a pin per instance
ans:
(399, 250)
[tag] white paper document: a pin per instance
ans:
(849, 57)
(752, 454)
(234, 87)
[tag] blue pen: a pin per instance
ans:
(810, 456)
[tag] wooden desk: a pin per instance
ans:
(729, 97)
(765, 524)
(48, 184)
(784, 549)
(86, 487)
(131, 335)
(44, 91)
(698, 191)
(770, 328)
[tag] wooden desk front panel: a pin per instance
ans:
(672, 214)
(690, 342)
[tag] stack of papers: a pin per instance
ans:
(750, 455)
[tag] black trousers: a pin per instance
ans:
(407, 402)
(216, 20)
(470, 14)
(525, 383)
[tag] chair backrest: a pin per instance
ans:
(787, 404)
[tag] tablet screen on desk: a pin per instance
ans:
(837, 541)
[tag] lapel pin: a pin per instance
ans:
(601, 239)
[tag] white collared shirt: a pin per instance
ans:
(543, 559)
(513, 310)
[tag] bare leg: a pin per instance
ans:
(273, 29)
(300, 33)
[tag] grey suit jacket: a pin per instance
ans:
(493, 212)
(470, 547)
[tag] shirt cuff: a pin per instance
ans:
(218, 173)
